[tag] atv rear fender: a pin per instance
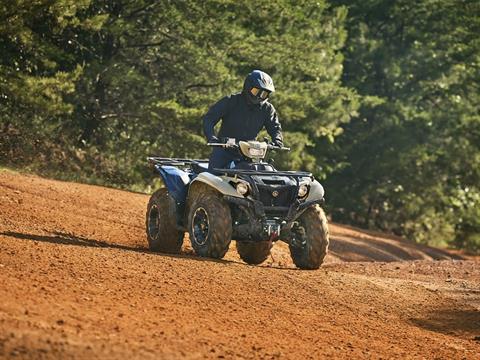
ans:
(218, 183)
(176, 181)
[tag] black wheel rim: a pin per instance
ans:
(299, 238)
(153, 222)
(200, 226)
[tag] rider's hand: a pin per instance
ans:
(277, 143)
(214, 140)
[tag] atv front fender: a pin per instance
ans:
(316, 192)
(218, 183)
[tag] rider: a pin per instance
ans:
(243, 115)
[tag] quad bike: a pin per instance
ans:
(250, 202)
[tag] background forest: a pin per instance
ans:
(379, 99)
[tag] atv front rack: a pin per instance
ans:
(296, 174)
(155, 160)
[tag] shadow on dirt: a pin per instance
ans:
(463, 322)
(68, 239)
(369, 249)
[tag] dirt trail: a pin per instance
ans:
(76, 281)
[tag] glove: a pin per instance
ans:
(277, 143)
(214, 140)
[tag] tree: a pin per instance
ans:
(413, 153)
(37, 70)
(132, 78)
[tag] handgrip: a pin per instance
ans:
(217, 144)
(283, 148)
(223, 145)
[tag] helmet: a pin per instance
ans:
(257, 86)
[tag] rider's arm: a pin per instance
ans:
(273, 127)
(213, 116)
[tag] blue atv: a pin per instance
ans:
(249, 201)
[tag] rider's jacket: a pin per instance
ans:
(242, 120)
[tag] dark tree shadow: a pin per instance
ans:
(462, 322)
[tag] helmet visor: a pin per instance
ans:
(259, 93)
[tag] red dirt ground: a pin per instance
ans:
(77, 281)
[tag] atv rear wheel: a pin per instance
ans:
(209, 224)
(161, 223)
(310, 245)
(254, 253)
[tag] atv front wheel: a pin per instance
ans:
(254, 253)
(209, 224)
(309, 244)
(161, 223)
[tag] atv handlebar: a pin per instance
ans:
(274, 147)
(223, 145)
(235, 146)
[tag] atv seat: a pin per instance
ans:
(199, 167)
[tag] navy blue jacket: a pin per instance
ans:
(242, 120)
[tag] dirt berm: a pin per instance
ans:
(77, 281)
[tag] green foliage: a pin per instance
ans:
(412, 154)
(111, 82)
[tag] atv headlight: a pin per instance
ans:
(302, 190)
(242, 188)
(256, 152)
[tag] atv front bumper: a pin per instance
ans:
(267, 222)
